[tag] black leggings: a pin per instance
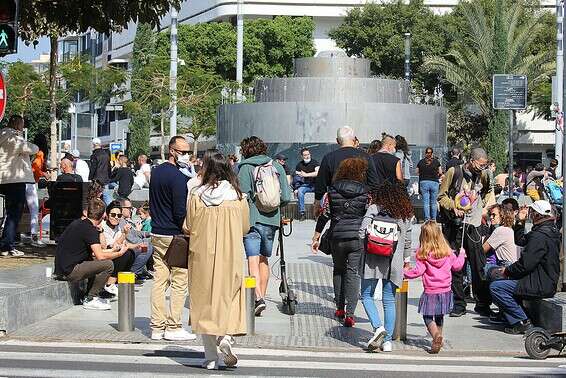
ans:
(438, 319)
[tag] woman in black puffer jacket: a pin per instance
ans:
(345, 204)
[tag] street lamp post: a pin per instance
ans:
(173, 73)
(560, 8)
(240, 49)
(559, 82)
(407, 56)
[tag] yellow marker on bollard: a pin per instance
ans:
(250, 285)
(126, 301)
(401, 300)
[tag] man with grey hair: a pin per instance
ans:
(465, 195)
(346, 139)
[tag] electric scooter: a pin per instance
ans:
(287, 294)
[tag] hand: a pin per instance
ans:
(124, 249)
(462, 251)
(301, 174)
(459, 213)
(116, 247)
(406, 266)
(127, 228)
(139, 226)
(315, 244)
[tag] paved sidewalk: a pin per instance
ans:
(313, 327)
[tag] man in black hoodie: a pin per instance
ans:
(535, 274)
(100, 168)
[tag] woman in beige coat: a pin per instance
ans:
(217, 219)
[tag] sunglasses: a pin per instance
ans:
(181, 152)
(115, 215)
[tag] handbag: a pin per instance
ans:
(177, 254)
(325, 241)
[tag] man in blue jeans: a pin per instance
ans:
(15, 173)
(535, 274)
(308, 170)
(258, 243)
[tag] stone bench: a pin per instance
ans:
(549, 313)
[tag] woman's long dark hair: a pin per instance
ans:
(402, 145)
(40, 140)
(393, 198)
(216, 168)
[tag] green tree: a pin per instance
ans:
(497, 42)
(376, 32)
(57, 18)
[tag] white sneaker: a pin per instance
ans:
(4, 253)
(377, 339)
(14, 252)
(96, 304)
(213, 364)
(179, 335)
(112, 289)
(387, 346)
(157, 335)
(225, 347)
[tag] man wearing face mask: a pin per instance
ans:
(167, 205)
(462, 219)
(15, 173)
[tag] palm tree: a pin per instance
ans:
(498, 43)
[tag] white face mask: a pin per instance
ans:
(307, 160)
(183, 160)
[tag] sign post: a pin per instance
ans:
(510, 93)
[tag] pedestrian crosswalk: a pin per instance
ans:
(33, 359)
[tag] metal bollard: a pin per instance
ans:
(126, 301)
(401, 299)
(249, 283)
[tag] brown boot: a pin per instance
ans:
(436, 343)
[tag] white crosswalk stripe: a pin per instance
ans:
(33, 359)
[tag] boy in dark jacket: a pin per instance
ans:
(535, 274)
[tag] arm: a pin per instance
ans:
(188, 221)
(24, 147)
(532, 255)
(93, 165)
(245, 216)
(99, 254)
(398, 171)
(322, 180)
(312, 174)
(458, 261)
(486, 246)
(417, 271)
(366, 221)
(443, 197)
(373, 182)
(179, 200)
(286, 194)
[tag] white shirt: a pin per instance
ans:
(82, 169)
(140, 178)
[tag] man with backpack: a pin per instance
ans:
(264, 182)
(464, 197)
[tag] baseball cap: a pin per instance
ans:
(280, 157)
(76, 153)
(542, 207)
(96, 141)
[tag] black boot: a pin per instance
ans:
(519, 328)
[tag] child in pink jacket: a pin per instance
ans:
(435, 263)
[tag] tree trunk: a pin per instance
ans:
(53, 105)
(162, 132)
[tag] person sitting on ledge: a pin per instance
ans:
(68, 174)
(77, 246)
(535, 274)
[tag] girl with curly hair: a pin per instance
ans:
(344, 205)
(392, 200)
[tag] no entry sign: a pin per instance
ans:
(509, 92)
(2, 96)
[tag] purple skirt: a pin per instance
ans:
(436, 304)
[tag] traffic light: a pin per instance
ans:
(9, 12)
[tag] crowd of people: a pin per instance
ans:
(230, 209)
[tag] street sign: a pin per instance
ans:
(115, 147)
(3, 96)
(509, 92)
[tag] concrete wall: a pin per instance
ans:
(294, 122)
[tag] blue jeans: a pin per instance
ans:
(142, 257)
(503, 294)
(259, 241)
(108, 193)
(389, 289)
(15, 197)
(429, 190)
(303, 189)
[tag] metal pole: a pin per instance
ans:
(510, 158)
(240, 50)
(173, 72)
(94, 126)
(559, 81)
(407, 56)
(400, 332)
(250, 284)
(564, 168)
(59, 136)
(126, 301)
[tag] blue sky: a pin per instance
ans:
(28, 53)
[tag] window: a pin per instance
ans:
(103, 127)
(70, 49)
